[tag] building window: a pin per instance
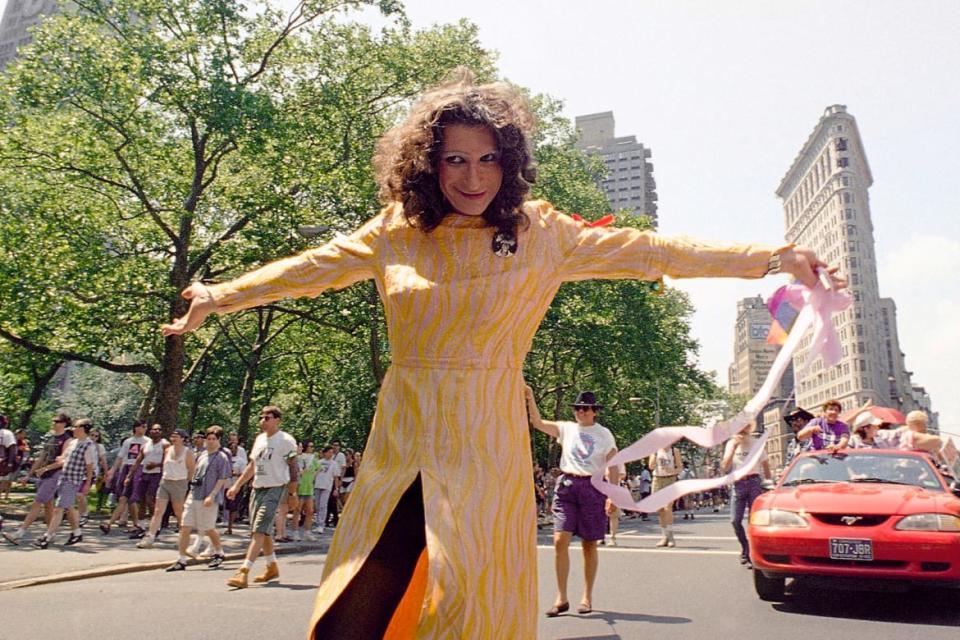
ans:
(843, 163)
(841, 143)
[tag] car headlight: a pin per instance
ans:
(777, 518)
(930, 522)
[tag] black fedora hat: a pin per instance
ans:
(798, 413)
(587, 399)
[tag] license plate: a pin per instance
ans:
(851, 549)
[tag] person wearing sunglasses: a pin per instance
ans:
(578, 508)
(47, 467)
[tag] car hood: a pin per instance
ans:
(878, 499)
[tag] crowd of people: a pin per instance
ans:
(199, 480)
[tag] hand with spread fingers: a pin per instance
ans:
(201, 306)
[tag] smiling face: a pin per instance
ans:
(469, 168)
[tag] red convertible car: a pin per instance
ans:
(858, 515)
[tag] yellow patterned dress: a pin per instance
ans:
(451, 409)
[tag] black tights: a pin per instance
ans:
(364, 609)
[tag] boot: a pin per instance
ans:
(670, 541)
(664, 541)
(272, 572)
(239, 579)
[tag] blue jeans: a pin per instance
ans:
(745, 491)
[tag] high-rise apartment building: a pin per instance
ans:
(827, 207)
(18, 17)
(629, 183)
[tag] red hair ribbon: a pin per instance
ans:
(602, 222)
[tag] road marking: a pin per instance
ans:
(670, 551)
(639, 536)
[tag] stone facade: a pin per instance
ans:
(827, 207)
(629, 183)
(18, 17)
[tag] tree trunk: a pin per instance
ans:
(195, 405)
(265, 319)
(40, 382)
(147, 403)
(170, 384)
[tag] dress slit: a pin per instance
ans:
(384, 598)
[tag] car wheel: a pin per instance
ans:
(769, 589)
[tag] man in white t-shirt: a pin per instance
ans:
(326, 485)
(273, 467)
(145, 476)
(578, 508)
(128, 454)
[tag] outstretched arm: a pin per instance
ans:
(612, 253)
(546, 426)
(337, 264)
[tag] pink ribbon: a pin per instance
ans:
(816, 306)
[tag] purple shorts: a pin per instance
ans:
(578, 508)
(47, 488)
(117, 487)
(145, 486)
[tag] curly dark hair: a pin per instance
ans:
(407, 155)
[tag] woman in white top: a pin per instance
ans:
(578, 508)
(665, 464)
(178, 465)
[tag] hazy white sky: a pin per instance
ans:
(725, 93)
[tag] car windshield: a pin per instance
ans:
(863, 468)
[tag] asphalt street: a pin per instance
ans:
(697, 590)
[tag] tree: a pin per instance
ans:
(154, 143)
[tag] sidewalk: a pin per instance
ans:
(100, 555)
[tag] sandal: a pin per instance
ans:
(557, 609)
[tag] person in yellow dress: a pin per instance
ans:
(440, 537)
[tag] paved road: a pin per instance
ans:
(697, 590)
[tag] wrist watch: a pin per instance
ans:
(773, 265)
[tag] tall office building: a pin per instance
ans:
(18, 16)
(827, 208)
(752, 359)
(629, 183)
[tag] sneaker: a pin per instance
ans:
(146, 543)
(13, 537)
(179, 565)
(73, 539)
(83, 521)
(670, 541)
(239, 579)
(744, 560)
(613, 542)
(216, 561)
(663, 542)
(137, 534)
(105, 529)
(41, 542)
(272, 572)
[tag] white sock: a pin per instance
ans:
(218, 551)
(183, 559)
(246, 565)
(271, 559)
(77, 531)
(664, 530)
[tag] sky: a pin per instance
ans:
(725, 93)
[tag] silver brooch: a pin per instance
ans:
(504, 244)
